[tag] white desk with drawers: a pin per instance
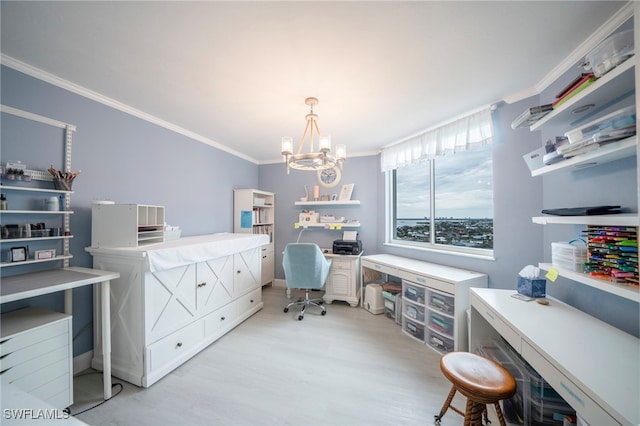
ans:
(595, 367)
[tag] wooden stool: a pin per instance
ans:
(481, 380)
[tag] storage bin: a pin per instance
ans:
(535, 401)
(413, 292)
(392, 306)
(373, 299)
(617, 125)
(569, 256)
(544, 412)
(413, 329)
(440, 301)
(439, 342)
(440, 323)
(413, 311)
(610, 53)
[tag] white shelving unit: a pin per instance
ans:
(615, 84)
(126, 225)
(254, 213)
(23, 198)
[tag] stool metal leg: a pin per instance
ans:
(446, 405)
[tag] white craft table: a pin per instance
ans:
(23, 286)
(595, 367)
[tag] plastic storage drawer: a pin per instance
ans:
(441, 323)
(413, 328)
(440, 301)
(439, 342)
(413, 311)
(392, 306)
(413, 292)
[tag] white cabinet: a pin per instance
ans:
(435, 298)
(254, 213)
(36, 354)
(343, 282)
(162, 315)
(126, 225)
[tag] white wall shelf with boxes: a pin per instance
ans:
(328, 223)
(610, 88)
(126, 225)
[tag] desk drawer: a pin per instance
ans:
(16, 342)
(176, 346)
(509, 334)
(381, 268)
(428, 282)
(579, 401)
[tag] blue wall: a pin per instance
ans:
(129, 160)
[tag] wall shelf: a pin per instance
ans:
(622, 219)
(628, 292)
(333, 225)
(607, 153)
(38, 212)
(32, 261)
(612, 85)
(328, 203)
(30, 189)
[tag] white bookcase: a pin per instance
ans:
(126, 225)
(254, 213)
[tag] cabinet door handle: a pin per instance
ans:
(202, 284)
(179, 345)
(222, 318)
(251, 300)
(238, 271)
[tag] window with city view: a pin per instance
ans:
(445, 202)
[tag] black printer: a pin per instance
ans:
(347, 247)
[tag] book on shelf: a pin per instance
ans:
(531, 115)
(579, 87)
(575, 83)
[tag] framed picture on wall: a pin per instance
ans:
(346, 191)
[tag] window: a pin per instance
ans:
(445, 203)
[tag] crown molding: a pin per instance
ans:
(97, 97)
(604, 31)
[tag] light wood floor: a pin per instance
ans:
(346, 368)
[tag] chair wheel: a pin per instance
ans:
(324, 313)
(286, 310)
(300, 317)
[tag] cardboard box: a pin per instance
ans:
(532, 287)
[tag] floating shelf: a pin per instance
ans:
(623, 219)
(607, 153)
(628, 292)
(328, 203)
(32, 261)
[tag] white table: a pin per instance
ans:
(23, 286)
(595, 367)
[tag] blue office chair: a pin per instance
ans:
(305, 267)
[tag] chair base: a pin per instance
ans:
(304, 302)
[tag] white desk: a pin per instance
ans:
(19, 287)
(595, 367)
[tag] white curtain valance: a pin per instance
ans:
(459, 135)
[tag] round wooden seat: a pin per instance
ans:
(481, 380)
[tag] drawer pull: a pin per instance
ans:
(202, 284)
(251, 300)
(237, 272)
(179, 345)
(222, 318)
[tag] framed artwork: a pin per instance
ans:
(346, 191)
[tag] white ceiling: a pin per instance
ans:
(237, 73)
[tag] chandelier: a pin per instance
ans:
(318, 160)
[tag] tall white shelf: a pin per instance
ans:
(612, 85)
(254, 213)
(37, 345)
